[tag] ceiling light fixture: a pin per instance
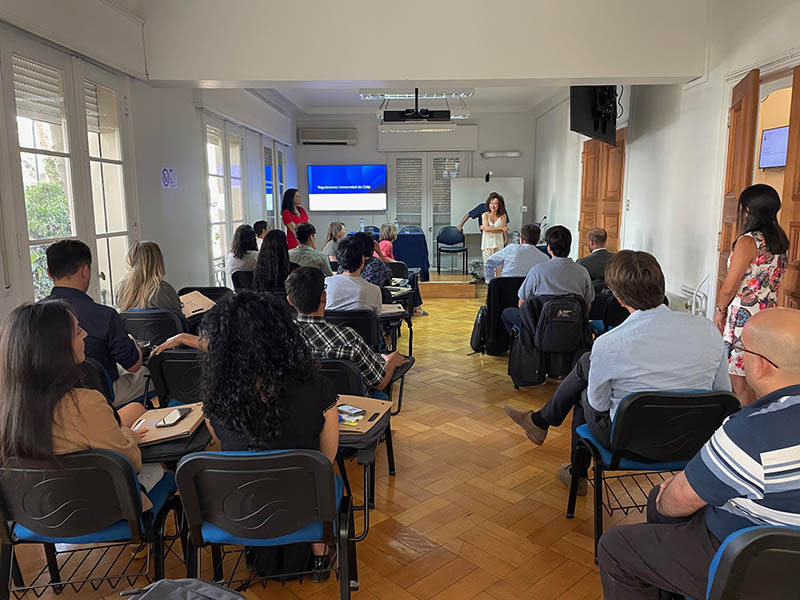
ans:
(417, 128)
(387, 94)
(501, 153)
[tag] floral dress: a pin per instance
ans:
(757, 291)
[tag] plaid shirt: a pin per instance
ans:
(334, 341)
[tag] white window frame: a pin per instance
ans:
(73, 70)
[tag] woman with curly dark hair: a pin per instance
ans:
(273, 266)
(261, 390)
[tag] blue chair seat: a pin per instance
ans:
(119, 531)
(310, 533)
(626, 464)
(597, 326)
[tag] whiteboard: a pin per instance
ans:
(467, 192)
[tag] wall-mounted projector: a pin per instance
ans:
(416, 113)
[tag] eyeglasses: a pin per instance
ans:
(739, 346)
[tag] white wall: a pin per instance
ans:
(507, 131)
(369, 40)
(168, 132)
(677, 139)
(93, 28)
(557, 171)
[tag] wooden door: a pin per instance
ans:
(790, 210)
(742, 124)
(601, 190)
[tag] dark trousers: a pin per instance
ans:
(671, 554)
(570, 397)
(511, 318)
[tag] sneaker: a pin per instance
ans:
(565, 477)
(419, 312)
(523, 418)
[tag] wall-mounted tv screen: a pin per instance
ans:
(337, 188)
(774, 143)
(593, 111)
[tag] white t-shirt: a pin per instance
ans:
(246, 263)
(352, 293)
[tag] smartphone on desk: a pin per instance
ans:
(174, 417)
(351, 411)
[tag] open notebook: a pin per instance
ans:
(183, 428)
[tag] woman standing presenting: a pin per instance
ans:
(292, 214)
(755, 268)
(494, 228)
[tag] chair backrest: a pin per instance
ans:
(334, 266)
(365, 323)
(96, 378)
(257, 495)
(669, 426)
(501, 294)
(372, 229)
(242, 280)
(80, 494)
(614, 313)
(756, 563)
(176, 375)
(398, 268)
(213, 293)
(344, 374)
(450, 236)
(411, 229)
(153, 326)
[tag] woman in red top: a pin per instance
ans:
(293, 214)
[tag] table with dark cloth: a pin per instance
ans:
(412, 249)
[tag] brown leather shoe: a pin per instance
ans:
(565, 477)
(523, 418)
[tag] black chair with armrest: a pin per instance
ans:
(399, 269)
(177, 376)
(89, 504)
(450, 241)
(347, 381)
(264, 499)
(653, 432)
(242, 280)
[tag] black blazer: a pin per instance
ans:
(596, 263)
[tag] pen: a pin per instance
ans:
(138, 424)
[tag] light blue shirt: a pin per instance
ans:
(516, 260)
(656, 349)
(557, 277)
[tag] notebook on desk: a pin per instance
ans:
(183, 428)
(399, 282)
(195, 303)
(391, 310)
(375, 411)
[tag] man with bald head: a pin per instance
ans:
(745, 475)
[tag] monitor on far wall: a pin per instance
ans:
(336, 188)
(774, 143)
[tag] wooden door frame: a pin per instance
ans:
(770, 69)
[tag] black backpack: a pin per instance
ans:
(477, 341)
(526, 365)
(562, 326)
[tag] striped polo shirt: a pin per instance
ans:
(749, 471)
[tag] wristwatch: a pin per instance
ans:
(718, 309)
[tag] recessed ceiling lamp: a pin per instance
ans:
(387, 94)
(417, 128)
(501, 154)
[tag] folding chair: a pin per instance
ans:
(652, 433)
(450, 241)
(756, 563)
(242, 280)
(263, 499)
(367, 325)
(347, 381)
(176, 376)
(88, 498)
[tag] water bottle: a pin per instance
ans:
(396, 226)
(515, 237)
(362, 223)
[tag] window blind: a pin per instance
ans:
(38, 91)
(408, 186)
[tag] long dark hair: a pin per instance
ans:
(273, 266)
(38, 368)
(501, 203)
(253, 346)
(758, 211)
(244, 241)
(288, 200)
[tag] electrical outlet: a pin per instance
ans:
(524, 208)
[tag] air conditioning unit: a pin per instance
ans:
(327, 137)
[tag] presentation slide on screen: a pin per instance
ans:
(773, 147)
(347, 187)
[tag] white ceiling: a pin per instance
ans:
(331, 98)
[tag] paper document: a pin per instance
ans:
(195, 303)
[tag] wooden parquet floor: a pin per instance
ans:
(475, 510)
